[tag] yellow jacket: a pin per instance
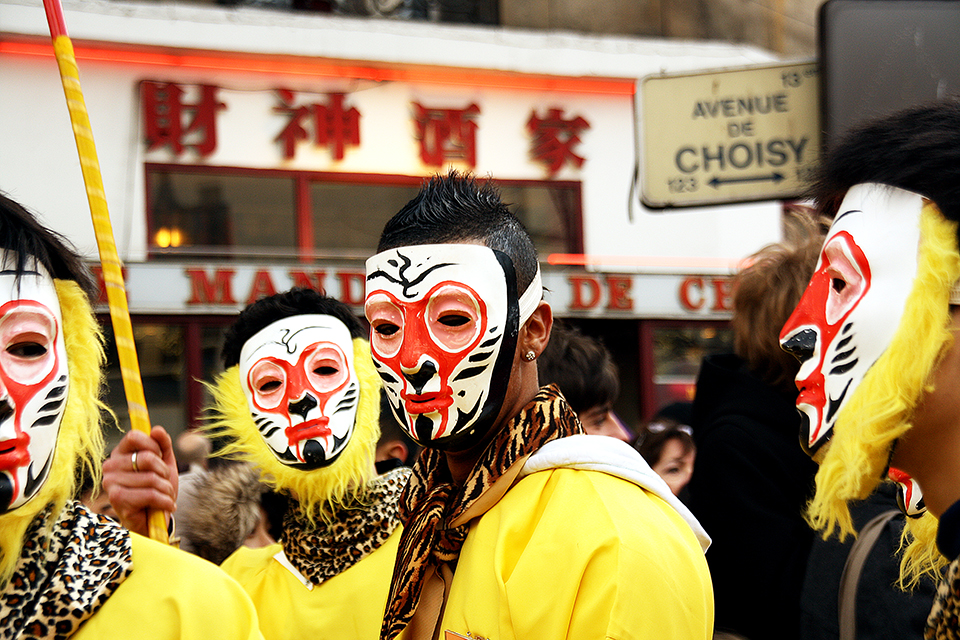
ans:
(581, 554)
(173, 595)
(345, 607)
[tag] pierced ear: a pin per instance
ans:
(536, 331)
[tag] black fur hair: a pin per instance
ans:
(266, 311)
(917, 149)
(21, 232)
(459, 208)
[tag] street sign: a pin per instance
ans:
(735, 135)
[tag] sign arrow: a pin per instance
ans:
(716, 182)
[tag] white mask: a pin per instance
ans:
(33, 380)
(444, 324)
(854, 303)
(299, 379)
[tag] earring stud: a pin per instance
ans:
(529, 356)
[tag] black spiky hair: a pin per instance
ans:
(459, 208)
(295, 302)
(916, 149)
(22, 233)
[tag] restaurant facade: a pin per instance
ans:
(247, 150)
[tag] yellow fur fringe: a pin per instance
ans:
(80, 441)
(321, 490)
(878, 411)
(919, 553)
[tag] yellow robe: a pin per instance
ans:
(570, 553)
(172, 595)
(345, 607)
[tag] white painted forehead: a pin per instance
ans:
(886, 209)
(288, 336)
(415, 268)
(33, 283)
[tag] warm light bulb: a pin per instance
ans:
(163, 237)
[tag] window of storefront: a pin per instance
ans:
(657, 360)
(670, 358)
(268, 217)
(175, 354)
(206, 214)
(199, 211)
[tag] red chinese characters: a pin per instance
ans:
(446, 135)
(333, 126)
(171, 121)
(185, 117)
(554, 139)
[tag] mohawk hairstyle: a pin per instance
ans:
(917, 149)
(459, 208)
(21, 233)
(295, 302)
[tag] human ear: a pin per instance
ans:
(394, 449)
(536, 332)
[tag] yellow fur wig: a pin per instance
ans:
(318, 491)
(80, 440)
(879, 411)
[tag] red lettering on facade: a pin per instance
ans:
(313, 280)
(723, 294)
(554, 139)
(170, 121)
(352, 287)
(203, 290)
(691, 293)
(333, 126)
(446, 135)
(262, 286)
(619, 292)
(580, 285)
(102, 297)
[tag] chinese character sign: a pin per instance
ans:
(333, 126)
(446, 135)
(171, 120)
(554, 139)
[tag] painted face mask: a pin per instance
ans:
(852, 307)
(300, 383)
(444, 324)
(33, 380)
(909, 495)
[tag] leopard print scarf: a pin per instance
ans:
(944, 620)
(432, 501)
(57, 586)
(323, 550)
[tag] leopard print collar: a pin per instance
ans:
(64, 575)
(942, 621)
(323, 550)
(436, 512)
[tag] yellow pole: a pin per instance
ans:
(112, 275)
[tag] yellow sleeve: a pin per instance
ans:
(173, 595)
(584, 555)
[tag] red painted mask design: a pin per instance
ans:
(33, 382)
(444, 322)
(302, 388)
(852, 307)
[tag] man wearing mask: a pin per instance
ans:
(516, 524)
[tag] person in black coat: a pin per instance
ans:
(752, 479)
